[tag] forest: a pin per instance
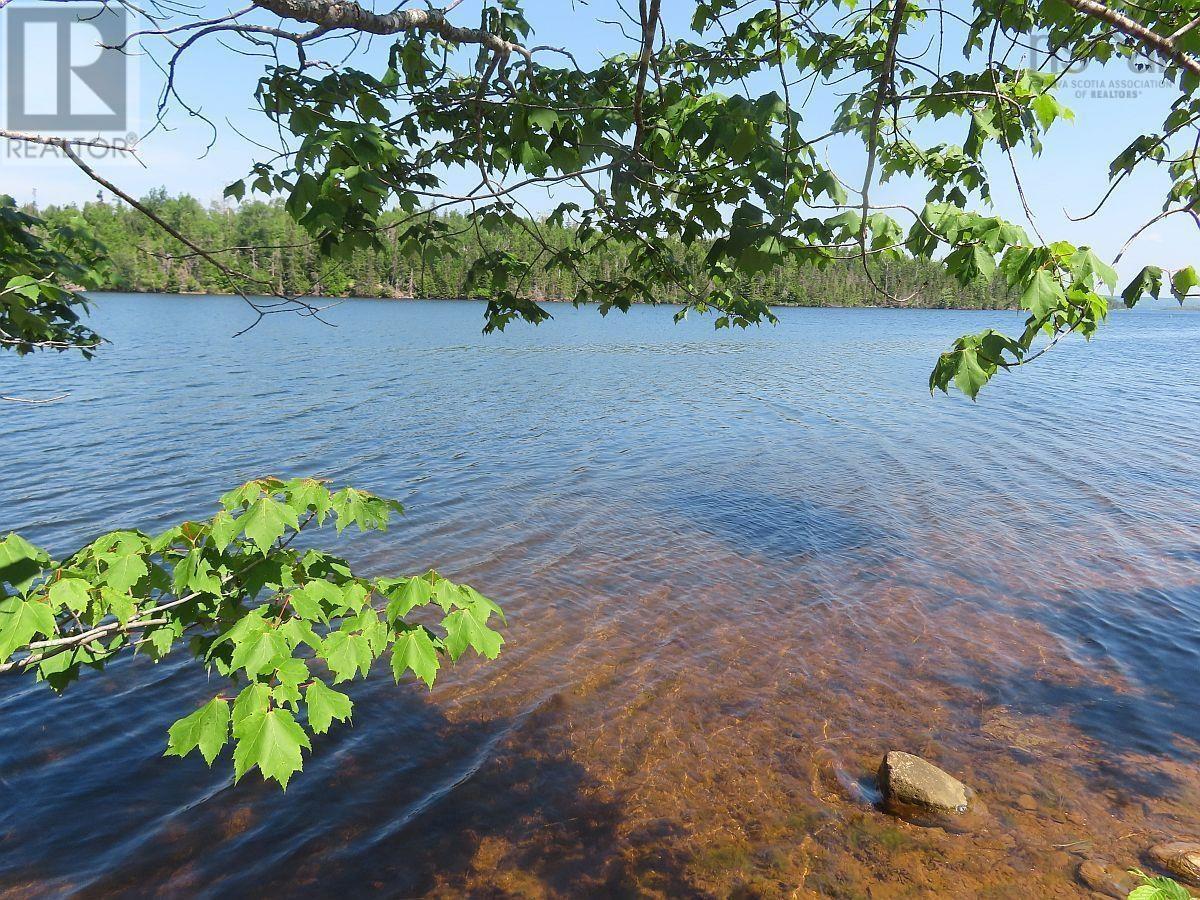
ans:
(278, 252)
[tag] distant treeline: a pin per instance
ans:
(144, 258)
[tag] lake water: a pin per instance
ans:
(739, 567)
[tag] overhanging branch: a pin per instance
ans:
(335, 14)
(1151, 40)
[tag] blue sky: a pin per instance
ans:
(1069, 177)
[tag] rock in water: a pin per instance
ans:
(1180, 858)
(910, 780)
(1105, 878)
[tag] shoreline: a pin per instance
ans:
(560, 300)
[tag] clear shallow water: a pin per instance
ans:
(738, 567)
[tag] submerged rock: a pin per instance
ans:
(1105, 878)
(911, 781)
(1180, 858)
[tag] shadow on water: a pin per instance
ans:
(406, 802)
(1120, 723)
(1149, 638)
(766, 524)
(1134, 697)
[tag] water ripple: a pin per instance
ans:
(736, 565)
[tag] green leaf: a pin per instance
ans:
(297, 631)
(20, 621)
(193, 573)
(20, 562)
(223, 530)
(415, 651)
(71, 593)
(254, 698)
(125, 571)
(325, 705)
(163, 637)
(480, 605)
(447, 594)
(241, 496)
(544, 119)
(361, 508)
(1157, 887)
(1043, 294)
(260, 652)
(1147, 281)
(291, 673)
(253, 623)
(406, 595)
(61, 669)
(1085, 264)
(463, 629)
(266, 520)
(206, 728)
(166, 539)
(373, 629)
(984, 261)
(353, 597)
(1047, 109)
(271, 740)
(309, 494)
(118, 603)
(347, 654)
(970, 375)
(312, 600)
(1183, 281)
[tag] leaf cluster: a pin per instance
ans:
(283, 624)
(43, 268)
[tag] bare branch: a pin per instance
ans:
(29, 138)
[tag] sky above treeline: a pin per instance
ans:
(1113, 104)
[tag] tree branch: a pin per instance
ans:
(49, 141)
(649, 24)
(1163, 46)
(335, 14)
(885, 89)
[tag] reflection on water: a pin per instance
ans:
(739, 567)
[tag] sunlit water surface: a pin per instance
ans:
(739, 566)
